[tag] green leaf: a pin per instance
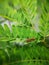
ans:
(2, 32)
(7, 30)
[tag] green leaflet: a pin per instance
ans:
(2, 32)
(14, 31)
(7, 31)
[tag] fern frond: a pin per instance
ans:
(15, 45)
(44, 21)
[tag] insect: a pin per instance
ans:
(30, 39)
